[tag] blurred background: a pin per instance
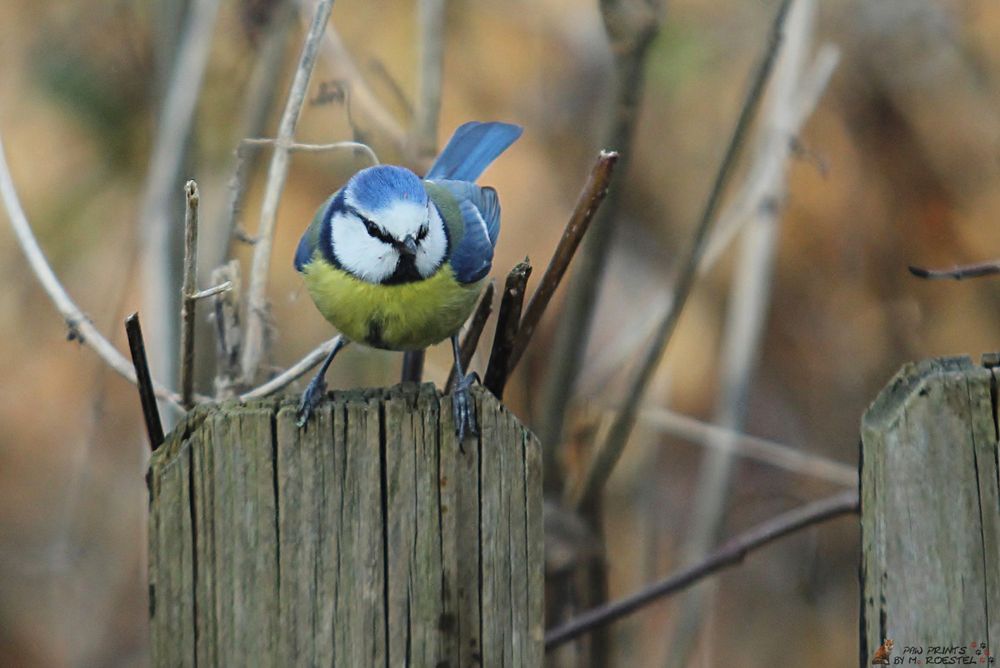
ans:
(898, 163)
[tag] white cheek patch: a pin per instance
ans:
(364, 256)
(431, 251)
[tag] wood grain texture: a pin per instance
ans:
(367, 538)
(930, 512)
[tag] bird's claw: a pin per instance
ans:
(463, 409)
(310, 399)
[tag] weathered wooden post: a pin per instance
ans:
(930, 514)
(367, 538)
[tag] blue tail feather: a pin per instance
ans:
(471, 150)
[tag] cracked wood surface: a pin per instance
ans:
(930, 569)
(367, 538)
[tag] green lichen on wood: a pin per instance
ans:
(367, 537)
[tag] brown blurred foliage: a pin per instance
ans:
(900, 164)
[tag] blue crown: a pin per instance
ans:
(376, 188)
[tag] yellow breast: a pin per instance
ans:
(407, 316)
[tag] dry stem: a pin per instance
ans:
(254, 343)
(80, 327)
(189, 289)
(731, 553)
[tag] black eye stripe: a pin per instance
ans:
(374, 230)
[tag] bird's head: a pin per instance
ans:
(387, 229)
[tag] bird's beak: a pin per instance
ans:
(408, 245)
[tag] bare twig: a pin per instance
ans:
(430, 18)
(211, 292)
(174, 127)
(256, 110)
(960, 272)
(631, 26)
(147, 398)
(761, 450)
(370, 108)
(749, 297)
(507, 328)
(296, 147)
(772, 159)
(378, 69)
(413, 366)
(731, 553)
(294, 372)
(586, 206)
(608, 453)
(471, 339)
(189, 289)
(80, 327)
(253, 348)
(228, 333)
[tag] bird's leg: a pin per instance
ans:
(317, 386)
(461, 402)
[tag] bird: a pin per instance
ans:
(397, 262)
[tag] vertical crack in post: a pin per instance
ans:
(479, 527)
(273, 419)
(993, 404)
(863, 617)
(384, 496)
(979, 493)
(526, 459)
(189, 454)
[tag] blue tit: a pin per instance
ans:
(397, 262)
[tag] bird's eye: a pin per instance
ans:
(422, 234)
(376, 232)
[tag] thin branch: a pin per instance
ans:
(471, 339)
(761, 450)
(147, 398)
(631, 27)
(294, 372)
(959, 272)
(80, 327)
(176, 118)
(587, 204)
(773, 159)
(608, 453)
(256, 110)
(296, 147)
(369, 107)
(430, 19)
(378, 69)
(228, 333)
(413, 366)
(507, 328)
(189, 289)
(211, 292)
(749, 298)
(253, 349)
(730, 554)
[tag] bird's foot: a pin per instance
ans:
(463, 409)
(310, 399)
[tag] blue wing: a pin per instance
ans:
(471, 150)
(483, 198)
(472, 258)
